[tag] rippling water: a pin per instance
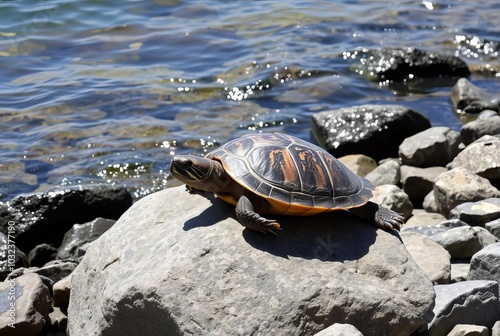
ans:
(107, 91)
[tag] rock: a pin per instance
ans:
(421, 218)
(61, 291)
(469, 330)
(210, 274)
(435, 146)
(485, 114)
(468, 302)
(340, 329)
(80, 234)
(493, 227)
(58, 322)
(485, 264)
(392, 197)
(461, 242)
(418, 182)
(458, 186)
(477, 213)
(45, 217)
(468, 98)
(373, 130)
(25, 305)
(431, 230)
(495, 331)
(485, 237)
(481, 157)
(54, 272)
(10, 256)
(386, 173)
(41, 254)
(474, 130)
(359, 163)
(459, 271)
(431, 257)
(429, 202)
(399, 64)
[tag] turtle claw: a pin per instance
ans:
(389, 220)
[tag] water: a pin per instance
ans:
(106, 92)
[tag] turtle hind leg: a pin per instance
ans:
(249, 218)
(379, 216)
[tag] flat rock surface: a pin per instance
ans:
(179, 263)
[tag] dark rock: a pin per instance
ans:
(468, 98)
(41, 254)
(398, 64)
(461, 242)
(418, 182)
(213, 276)
(458, 186)
(25, 304)
(10, 256)
(45, 217)
(481, 157)
(477, 213)
(387, 172)
(373, 130)
(431, 230)
(474, 130)
(471, 302)
(62, 290)
(54, 272)
(435, 146)
(485, 264)
(80, 234)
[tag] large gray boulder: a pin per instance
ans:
(178, 263)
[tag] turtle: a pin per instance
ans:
(279, 174)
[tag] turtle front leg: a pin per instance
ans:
(249, 218)
(381, 217)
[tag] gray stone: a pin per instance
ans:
(431, 257)
(495, 331)
(54, 272)
(418, 182)
(469, 330)
(340, 329)
(485, 237)
(191, 268)
(25, 304)
(386, 173)
(474, 130)
(431, 230)
(485, 264)
(435, 146)
(477, 213)
(461, 242)
(373, 130)
(467, 97)
(58, 322)
(41, 254)
(470, 302)
(429, 202)
(10, 256)
(459, 271)
(61, 291)
(460, 185)
(392, 197)
(481, 157)
(423, 218)
(80, 234)
(493, 227)
(359, 163)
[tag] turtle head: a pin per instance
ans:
(199, 172)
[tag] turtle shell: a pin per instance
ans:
(294, 176)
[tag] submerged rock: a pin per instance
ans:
(189, 267)
(468, 98)
(373, 130)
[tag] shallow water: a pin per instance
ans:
(108, 91)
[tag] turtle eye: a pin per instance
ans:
(186, 164)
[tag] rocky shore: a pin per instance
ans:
(179, 263)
